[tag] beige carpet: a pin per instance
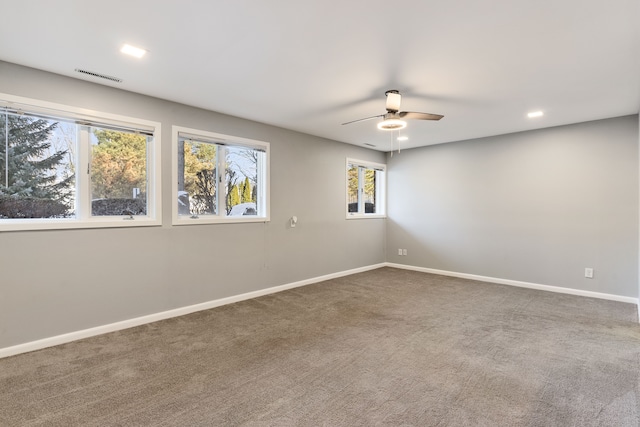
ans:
(385, 347)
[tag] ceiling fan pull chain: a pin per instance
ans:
(391, 150)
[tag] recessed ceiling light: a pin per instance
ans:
(403, 138)
(133, 51)
(534, 114)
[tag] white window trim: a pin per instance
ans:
(224, 139)
(380, 189)
(154, 195)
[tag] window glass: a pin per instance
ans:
(352, 188)
(37, 167)
(242, 181)
(197, 189)
(219, 178)
(365, 188)
(61, 167)
(370, 190)
(118, 173)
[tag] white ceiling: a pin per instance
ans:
(310, 65)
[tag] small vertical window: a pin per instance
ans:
(365, 189)
(219, 178)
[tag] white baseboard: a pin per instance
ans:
(519, 284)
(125, 324)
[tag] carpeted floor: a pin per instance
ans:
(385, 347)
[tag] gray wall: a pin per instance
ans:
(54, 282)
(536, 206)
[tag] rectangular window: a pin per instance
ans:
(118, 172)
(36, 167)
(219, 178)
(62, 167)
(366, 189)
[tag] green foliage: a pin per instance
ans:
(233, 194)
(31, 207)
(101, 207)
(199, 159)
(352, 174)
(369, 185)
(198, 165)
(118, 164)
(35, 170)
(246, 191)
(234, 197)
(199, 176)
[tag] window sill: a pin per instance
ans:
(187, 220)
(366, 216)
(69, 224)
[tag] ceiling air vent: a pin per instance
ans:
(102, 76)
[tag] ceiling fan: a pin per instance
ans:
(393, 119)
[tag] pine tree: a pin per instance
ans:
(246, 191)
(29, 167)
(234, 197)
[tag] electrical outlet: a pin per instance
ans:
(588, 273)
(404, 252)
(400, 252)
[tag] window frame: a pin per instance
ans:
(221, 139)
(86, 118)
(381, 190)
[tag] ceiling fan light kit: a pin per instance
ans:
(392, 124)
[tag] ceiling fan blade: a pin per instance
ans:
(362, 120)
(419, 116)
(393, 101)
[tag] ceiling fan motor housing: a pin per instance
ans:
(394, 119)
(393, 101)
